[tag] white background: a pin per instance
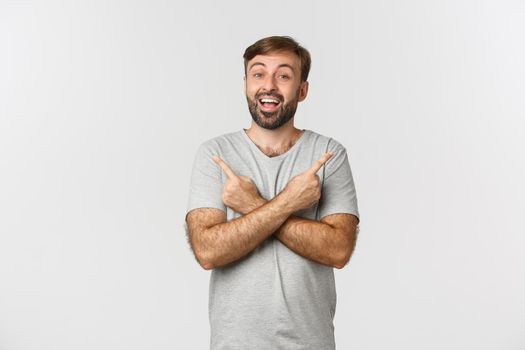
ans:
(104, 103)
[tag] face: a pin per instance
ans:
(273, 88)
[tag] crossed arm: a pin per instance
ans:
(216, 242)
(329, 241)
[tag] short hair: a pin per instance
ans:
(273, 44)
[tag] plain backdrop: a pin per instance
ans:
(104, 103)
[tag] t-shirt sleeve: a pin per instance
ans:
(206, 181)
(338, 193)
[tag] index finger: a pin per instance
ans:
(320, 162)
(224, 166)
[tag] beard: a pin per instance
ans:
(276, 119)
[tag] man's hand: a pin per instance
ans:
(304, 189)
(240, 192)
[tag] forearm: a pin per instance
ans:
(311, 239)
(229, 241)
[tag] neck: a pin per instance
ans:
(274, 142)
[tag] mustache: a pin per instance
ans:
(269, 95)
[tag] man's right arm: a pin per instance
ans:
(216, 242)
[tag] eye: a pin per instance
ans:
(257, 75)
(284, 77)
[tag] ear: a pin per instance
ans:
(303, 90)
(244, 83)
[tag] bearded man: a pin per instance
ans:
(272, 210)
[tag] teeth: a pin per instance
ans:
(269, 100)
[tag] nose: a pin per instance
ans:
(269, 83)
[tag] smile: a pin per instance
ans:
(269, 104)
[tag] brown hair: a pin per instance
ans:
(274, 44)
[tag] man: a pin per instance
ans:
(272, 210)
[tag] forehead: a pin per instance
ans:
(274, 60)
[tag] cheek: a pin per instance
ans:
(291, 95)
(251, 90)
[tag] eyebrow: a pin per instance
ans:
(262, 64)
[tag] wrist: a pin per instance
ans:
(257, 203)
(285, 204)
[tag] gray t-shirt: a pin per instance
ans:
(272, 298)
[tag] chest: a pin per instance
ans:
(272, 175)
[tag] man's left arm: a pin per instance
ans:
(331, 240)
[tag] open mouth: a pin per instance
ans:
(269, 104)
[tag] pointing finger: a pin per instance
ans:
(224, 167)
(320, 162)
